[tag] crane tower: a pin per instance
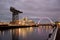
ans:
(15, 14)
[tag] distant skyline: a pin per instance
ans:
(35, 8)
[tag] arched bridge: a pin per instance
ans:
(42, 18)
(45, 24)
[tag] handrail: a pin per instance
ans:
(54, 33)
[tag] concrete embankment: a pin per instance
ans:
(58, 35)
(5, 27)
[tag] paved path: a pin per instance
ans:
(58, 35)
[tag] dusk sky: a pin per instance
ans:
(35, 8)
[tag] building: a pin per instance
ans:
(24, 21)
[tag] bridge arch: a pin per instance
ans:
(42, 18)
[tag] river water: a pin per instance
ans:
(29, 33)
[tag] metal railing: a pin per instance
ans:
(53, 34)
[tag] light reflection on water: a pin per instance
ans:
(30, 33)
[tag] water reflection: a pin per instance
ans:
(30, 33)
(24, 31)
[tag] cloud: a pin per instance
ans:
(49, 8)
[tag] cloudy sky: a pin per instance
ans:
(35, 8)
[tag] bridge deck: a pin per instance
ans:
(44, 25)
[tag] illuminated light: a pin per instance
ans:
(26, 22)
(31, 29)
(23, 32)
(59, 23)
(19, 22)
(20, 31)
(47, 28)
(40, 27)
(17, 31)
(27, 28)
(39, 30)
(23, 23)
(10, 31)
(50, 27)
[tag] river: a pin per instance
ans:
(29, 33)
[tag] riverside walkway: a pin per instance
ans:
(58, 34)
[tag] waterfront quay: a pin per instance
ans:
(58, 34)
(22, 24)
